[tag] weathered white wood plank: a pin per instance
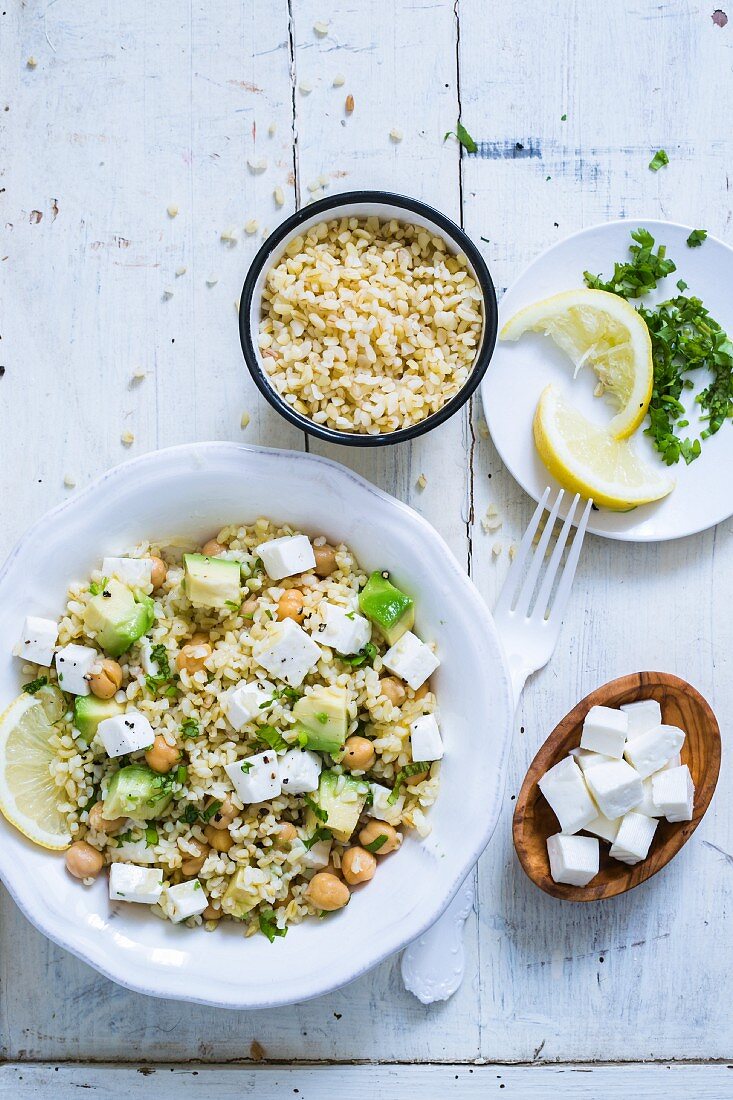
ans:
(574, 981)
(577, 1082)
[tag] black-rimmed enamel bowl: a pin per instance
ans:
(363, 204)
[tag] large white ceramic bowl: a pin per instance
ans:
(193, 491)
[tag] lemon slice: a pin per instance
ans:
(29, 798)
(587, 459)
(603, 331)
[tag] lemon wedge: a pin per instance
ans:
(29, 798)
(603, 331)
(587, 459)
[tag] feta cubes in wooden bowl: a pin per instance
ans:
(542, 838)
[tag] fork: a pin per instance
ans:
(529, 627)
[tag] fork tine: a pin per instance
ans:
(543, 597)
(525, 594)
(513, 577)
(566, 582)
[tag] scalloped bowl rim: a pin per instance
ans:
(121, 944)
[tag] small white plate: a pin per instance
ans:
(519, 371)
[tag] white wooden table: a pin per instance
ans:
(138, 105)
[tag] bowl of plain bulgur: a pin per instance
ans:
(367, 318)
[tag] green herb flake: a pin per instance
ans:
(151, 836)
(319, 834)
(563, 118)
(124, 838)
(212, 810)
(376, 844)
(181, 774)
(463, 136)
(269, 926)
(696, 238)
(312, 805)
(659, 160)
(233, 604)
(246, 767)
(35, 685)
(356, 660)
(403, 775)
(98, 586)
(190, 815)
(190, 728)
(681, 285)
(272, 737)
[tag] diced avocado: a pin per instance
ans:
(137, 791)
(240, 897)
(211, 582)
(323, 717)
(341, 798)
(118, 617)
(391, 611)
(90, 711)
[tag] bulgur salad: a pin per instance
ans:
(242, 730)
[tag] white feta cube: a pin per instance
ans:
(125, 733)
(247, 701)
(342, 629)
(287, 652)
(425, 739)
(633, 838)
(646, 805)
(650, 751)
(615, 786)
(586, 759)
(286, 556)
(411, 660)
(643, 716)
(564, 788)
(129, 883)
(673, 793)
(673, 762)
(604, 731)
(134, 572)
(300, 771)
(188, 899)
(603, 827)
(318, 855)
(380, 807)
(256, 779)
(74, 664)
(37, 640)
(574, 860)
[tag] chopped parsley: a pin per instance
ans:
(190, 728)
(356, 660)
(190, 815)
(124, 838)
(162, 678)
(98, 586)
(403, 775)
(272, 737)
(291, 694)
(376, 844)
(311, 803)
(696, 238)
(212, 810)
(151, 836)
(563, 118)
(463, 136)
(684, 338)
(319, 834)
(35, 685)
(181, 774)
(269, 926)
(233, 604)
(246, 767)
(659, 160)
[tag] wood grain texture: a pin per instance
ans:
(577, 1082)
(150, 104)
(534, 821)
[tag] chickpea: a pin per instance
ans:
(393, 689)
(290, 605)
(358, 865)
(327, 892)
(210, 913)
(193, 655)
(226, 813)
(220, 839)
(159, 572)
(359, 754)
(211, 548)
(413, 780)
(100, 824)
(423, 690)
(106, 680)
(286, 833)
(325, 560)
(161, 756)
(192, 864)
(373, 830)
(83, 861)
